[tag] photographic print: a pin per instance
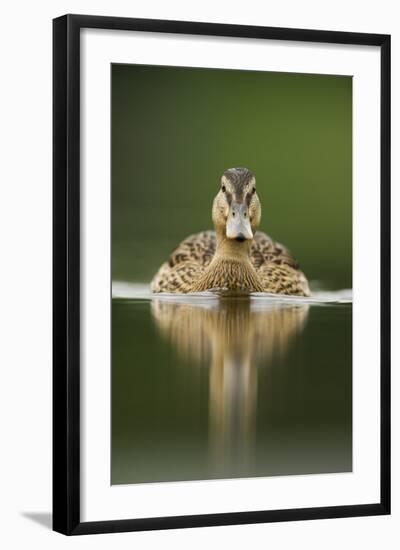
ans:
(221, 274)
(231, 249)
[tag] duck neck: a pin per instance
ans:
(230, 268)
(231, 250)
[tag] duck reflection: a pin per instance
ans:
(234, 337)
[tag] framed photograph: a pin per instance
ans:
(221, 274)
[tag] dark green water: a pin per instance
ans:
(229, 389)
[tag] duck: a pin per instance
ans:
(235, 256)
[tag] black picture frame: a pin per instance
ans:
(66, 273)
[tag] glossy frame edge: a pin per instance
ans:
(66, 274)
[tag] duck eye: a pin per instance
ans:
(253, 190)
(223, 188)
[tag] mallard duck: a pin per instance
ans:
(234, 257)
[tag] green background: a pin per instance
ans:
(175, 130)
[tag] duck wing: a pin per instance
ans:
(198, 248)
(186, 263)
(265, 250)
(278, 271)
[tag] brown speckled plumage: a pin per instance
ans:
(211, 260)
(272, 268)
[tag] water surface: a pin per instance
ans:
(213, 386)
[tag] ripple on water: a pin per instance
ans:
(141, 291)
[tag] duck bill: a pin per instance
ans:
(238, 226)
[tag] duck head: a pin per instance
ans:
(236, 209)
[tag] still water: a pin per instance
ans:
(214, 386)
